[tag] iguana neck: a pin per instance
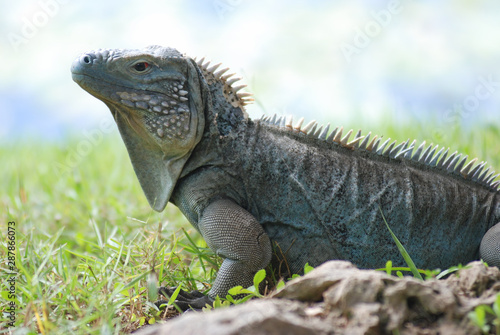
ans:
(226, 107)
(225, 117)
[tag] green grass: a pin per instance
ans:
(87, 240)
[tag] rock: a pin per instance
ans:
(338, 298)
(264, 316)
(355, 287)
(418, 302)
(311, 286)
(476, 280)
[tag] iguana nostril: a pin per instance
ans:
(83, 63)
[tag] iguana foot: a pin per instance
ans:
(185, 300)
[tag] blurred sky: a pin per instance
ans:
(340, 61)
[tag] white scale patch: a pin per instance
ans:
(170, 111)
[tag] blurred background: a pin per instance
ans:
(422, 69)
(355, 63)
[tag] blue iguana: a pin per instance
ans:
(251, 186)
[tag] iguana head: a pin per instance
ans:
(158, 98)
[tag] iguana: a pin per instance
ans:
(311, 195)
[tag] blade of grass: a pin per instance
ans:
(97, 232)
(402, 250)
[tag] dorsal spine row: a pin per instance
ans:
(454, 163)
(231, 93)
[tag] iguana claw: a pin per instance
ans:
(185, 300)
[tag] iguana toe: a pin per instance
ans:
(185, 300)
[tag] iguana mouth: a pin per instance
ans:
(168, 112)
(132, 97)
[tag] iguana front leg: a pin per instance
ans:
(234, 234)
(490, 246)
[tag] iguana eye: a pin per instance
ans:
(141, 67)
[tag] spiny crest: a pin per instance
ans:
(426, 155)
(231, 93)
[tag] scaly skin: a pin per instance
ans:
(251, 186)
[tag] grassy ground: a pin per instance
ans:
(86, 239)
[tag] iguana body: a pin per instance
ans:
(250, 186)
